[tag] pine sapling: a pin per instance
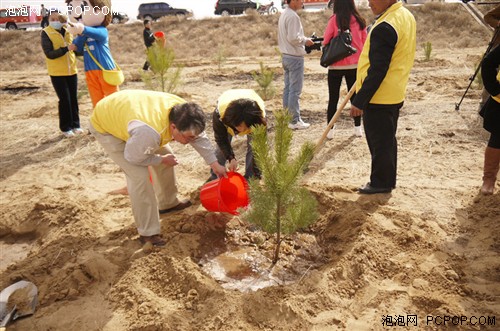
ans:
(427, 50)
(278, 204)
(265, 79)
(220, 58)
(165, 77)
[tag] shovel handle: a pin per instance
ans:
(334, 119)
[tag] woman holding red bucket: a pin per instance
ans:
(237, 111)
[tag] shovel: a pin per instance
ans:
(334, 119)
(17, 300)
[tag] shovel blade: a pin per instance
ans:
(17, 300)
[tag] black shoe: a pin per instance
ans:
(368, 189)
(155, 240)
(182, 205)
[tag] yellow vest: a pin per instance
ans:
(230, 95)
(392, 90)
(112, 114)
(66, 64)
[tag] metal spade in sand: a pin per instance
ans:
(16, 301)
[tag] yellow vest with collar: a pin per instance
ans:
(64, 65)
(392, 90)
(113, 114)
(230, 95)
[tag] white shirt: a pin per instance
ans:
(291, 39)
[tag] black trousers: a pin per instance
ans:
(45, 22)
(66, 88)
(494, 141)
(381, 123)
(334, 82)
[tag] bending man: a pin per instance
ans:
(134, 128)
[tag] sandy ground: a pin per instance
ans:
(431, 248)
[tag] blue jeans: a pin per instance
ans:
(294, 79)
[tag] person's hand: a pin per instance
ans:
(75, 28)
(72, 47)
(169, 160)
(233, 165)
(309, 42)
(218, 169)
(355, 111)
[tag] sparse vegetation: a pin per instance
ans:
(427, 46)
(265, 80)
(280, 205)
(220, 58)
(479, 78)
(243, 36)
(164, 76)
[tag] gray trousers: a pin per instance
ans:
(146, 199)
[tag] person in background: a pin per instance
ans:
(61, 66)
(236, 113)
(135, 127)
(149, 39)
(93, 39)
(292, 42)
(491, 115)
(345, 17)
(492, 17)
(44, 12)
(383, 71)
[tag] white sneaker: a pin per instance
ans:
(331, 133)
(357, 131)
(300, 125)
(79, 131)
(68, 134)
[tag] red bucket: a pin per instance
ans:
(159, 34)
(225, 194)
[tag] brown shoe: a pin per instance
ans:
(155, 240)
(182, 205)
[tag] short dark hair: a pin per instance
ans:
(146, 22)
(188, 117)
(243, 110)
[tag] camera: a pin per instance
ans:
(317, 43)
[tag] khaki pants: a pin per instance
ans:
(145, 203)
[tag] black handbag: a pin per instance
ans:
(338, 49)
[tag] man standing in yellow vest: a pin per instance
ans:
(237, 111)
(134, 128)
(61, 65)
(383, 70)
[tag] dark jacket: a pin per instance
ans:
(149, 38)
(491, 109)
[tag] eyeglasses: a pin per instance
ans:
(187, 135)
